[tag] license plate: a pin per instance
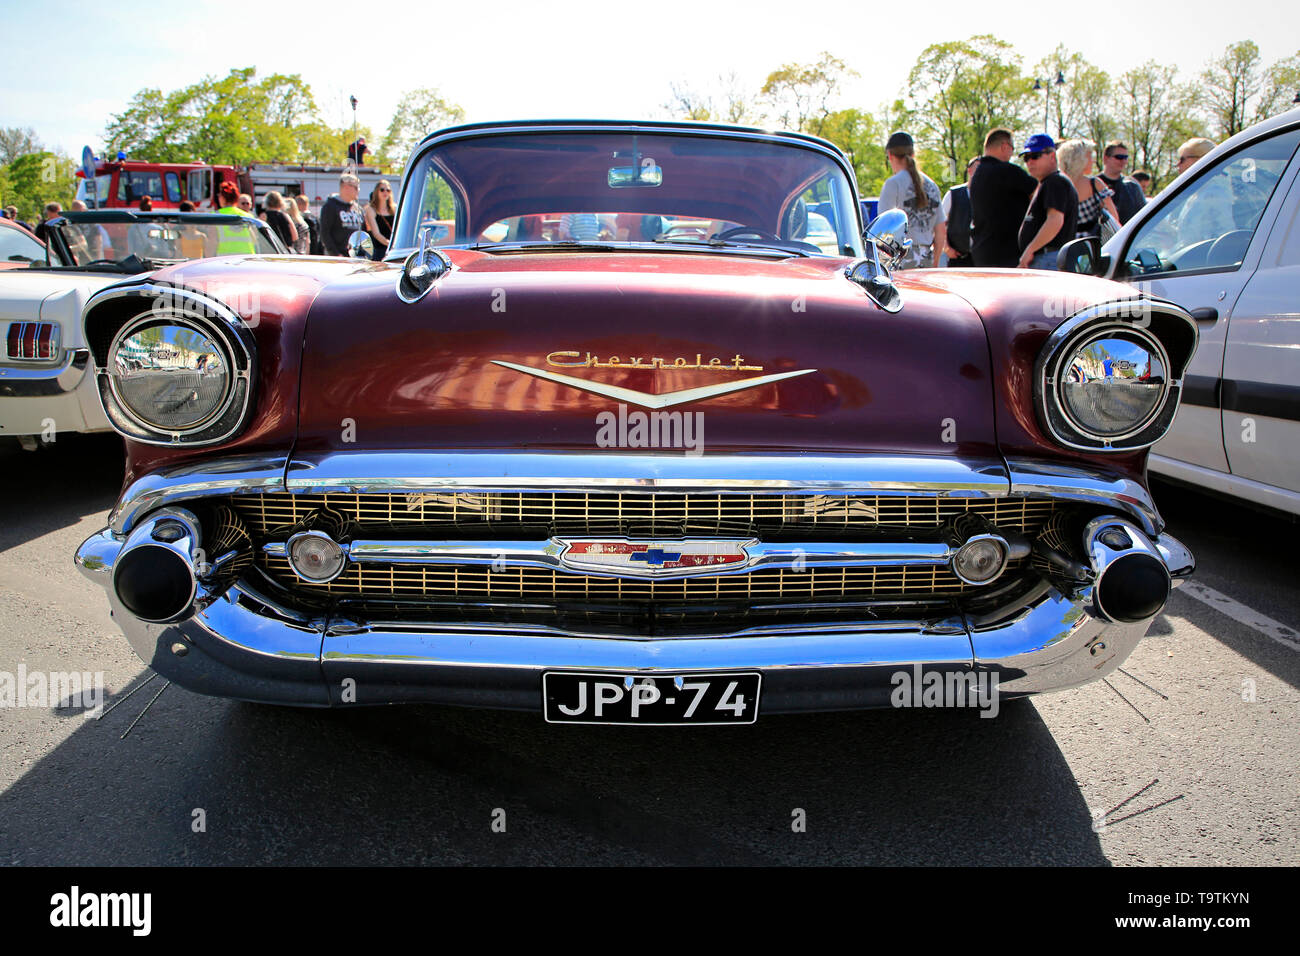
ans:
(661, 700)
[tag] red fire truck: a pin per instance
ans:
(122, 183)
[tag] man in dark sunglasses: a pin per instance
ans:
(1129, 197)
(1053, 210)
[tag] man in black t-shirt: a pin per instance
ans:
(1129, 195)
(1054, 210)
(999, 194)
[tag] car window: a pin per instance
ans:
(17, 246)
(143, 184)
(1209, 225)
(173, 188)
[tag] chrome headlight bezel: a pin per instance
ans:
(172, 320)
(1165, 330)
(228, 334)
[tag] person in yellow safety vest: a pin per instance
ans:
(233, 240)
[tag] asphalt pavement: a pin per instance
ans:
(1187, 756)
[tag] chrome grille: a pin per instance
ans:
(443, 582)
(486, 513)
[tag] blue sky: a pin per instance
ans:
(68, 66)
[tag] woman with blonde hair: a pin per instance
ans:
(302, 244)
(380, 213)
(918, 195)
(1074, 157)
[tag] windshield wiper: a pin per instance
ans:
(560, 245)
(716, 243)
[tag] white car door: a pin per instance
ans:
(1200, 249)
(1261, 366)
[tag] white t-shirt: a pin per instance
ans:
(898, 193)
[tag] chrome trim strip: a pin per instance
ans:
(1070, 483)
(387, 472)
(548, 554)
(55, 380)
(229, 476)
(364, 472)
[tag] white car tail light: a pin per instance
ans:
(32, 342)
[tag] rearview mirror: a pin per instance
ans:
(647, 174)
(360, 245)
(888, 233)
(1081, 256)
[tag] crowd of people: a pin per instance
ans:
(341, 215)
(290, 217)
(1003, 215)
(1010, 216)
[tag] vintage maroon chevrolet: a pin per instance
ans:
(620, 433)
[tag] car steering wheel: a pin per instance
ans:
(1231, 245)
(736, 231)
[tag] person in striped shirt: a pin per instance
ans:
(580, 226)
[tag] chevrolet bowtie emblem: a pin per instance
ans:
(644, 399)
(655, 558)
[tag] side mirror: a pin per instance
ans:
(1081, 256)
(888, 233)
(360, 245)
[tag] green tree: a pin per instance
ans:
(801, 96)
(1079, 107)
(1155, 113)
(732, 104)
(15, 142)
(960, 89)
(861, 137)
(1230, 87)
(419, 112)
(34, 179)
(1282, 84)
(235, 119)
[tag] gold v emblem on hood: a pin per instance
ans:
(644, 399)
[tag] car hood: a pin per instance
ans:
(562, 351)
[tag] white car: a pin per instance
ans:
(44, 387)
(1223, 241)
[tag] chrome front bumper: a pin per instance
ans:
(241, 643)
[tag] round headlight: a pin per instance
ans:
(169, 375)
(1113, 384)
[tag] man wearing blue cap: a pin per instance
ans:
(1053, 210)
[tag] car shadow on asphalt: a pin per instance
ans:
(57, 484)
(435, 785)
(1245, 553)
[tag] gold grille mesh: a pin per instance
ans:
(657, 513)
(497, 514)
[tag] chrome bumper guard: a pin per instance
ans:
(240, 643)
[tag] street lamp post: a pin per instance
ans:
(355, 158)
(1046, 87)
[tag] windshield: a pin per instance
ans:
(613, 187)
(16, 246)
(171, 239)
